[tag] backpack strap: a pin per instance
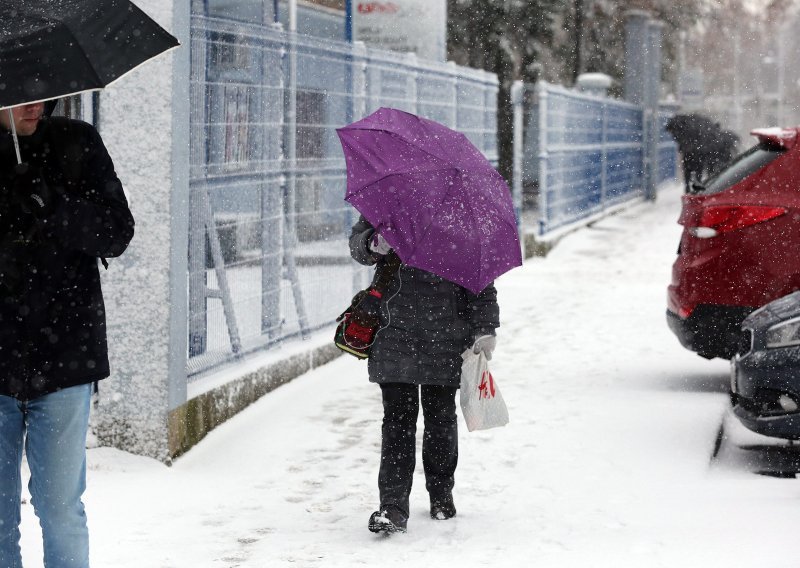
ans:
(104, 262)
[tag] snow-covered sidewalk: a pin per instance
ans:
(606, 462)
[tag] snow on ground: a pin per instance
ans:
(606, 462)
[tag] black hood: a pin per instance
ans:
(50, 106)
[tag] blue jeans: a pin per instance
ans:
(53, 428)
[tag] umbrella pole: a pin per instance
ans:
(14, 134)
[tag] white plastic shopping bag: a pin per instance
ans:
(481, 403)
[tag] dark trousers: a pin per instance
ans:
(398, 444)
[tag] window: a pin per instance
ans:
(225, 53)
(310, 124)
(747, 163)
(237, 124)
(69, 107)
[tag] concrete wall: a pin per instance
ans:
(144, 122)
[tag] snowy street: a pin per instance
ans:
(607, 461)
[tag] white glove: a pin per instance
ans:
(378, 245)
(485, 343)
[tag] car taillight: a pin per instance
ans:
(724, 218)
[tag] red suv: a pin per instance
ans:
(740, 246)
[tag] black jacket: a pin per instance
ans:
(52, 316)
(427, 322)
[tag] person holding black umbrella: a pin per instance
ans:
(62, 207)
(60, 211)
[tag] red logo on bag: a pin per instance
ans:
(486, 388)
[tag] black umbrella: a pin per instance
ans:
(56, 48)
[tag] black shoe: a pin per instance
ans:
(388, 519)
(443, 508)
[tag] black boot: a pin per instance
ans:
(443, 508)
(388, 519)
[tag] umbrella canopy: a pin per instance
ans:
(54, 48)
(432, 195)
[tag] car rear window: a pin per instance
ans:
(742, 166)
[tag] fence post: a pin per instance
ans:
(454, 105)
(198, 302)
(604, 159)
(272, 205)
(290, 148)
(290, 240)
(489, 128)
(636, 59)
(358, 110)
(373, 83)
(652, 94)
(517, 90)
(358, 103)
(411, 83)
(543, 156)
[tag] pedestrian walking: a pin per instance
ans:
(61, 211)
(439, 220)
(426, 323)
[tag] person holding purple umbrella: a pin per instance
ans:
(429, 196)
(426, 323)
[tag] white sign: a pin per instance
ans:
(416, 26)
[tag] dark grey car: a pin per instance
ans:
(765, 373)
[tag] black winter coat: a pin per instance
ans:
(427, 322)
(52, 316)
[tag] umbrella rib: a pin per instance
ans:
(446, 195)
(89, 64)
(138, 12)
(380, 179)
(427, 228)
(98, 80)
(475, 220)
(480, 249)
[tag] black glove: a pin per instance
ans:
(30, 191)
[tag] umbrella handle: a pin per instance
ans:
(14, 134)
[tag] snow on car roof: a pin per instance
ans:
(785, 137)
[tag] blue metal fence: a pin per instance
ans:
(580, 154)
(268, 252)
(590, 157)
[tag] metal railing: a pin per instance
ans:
(268, 253)
(579, 154)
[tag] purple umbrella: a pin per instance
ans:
(432, 195)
